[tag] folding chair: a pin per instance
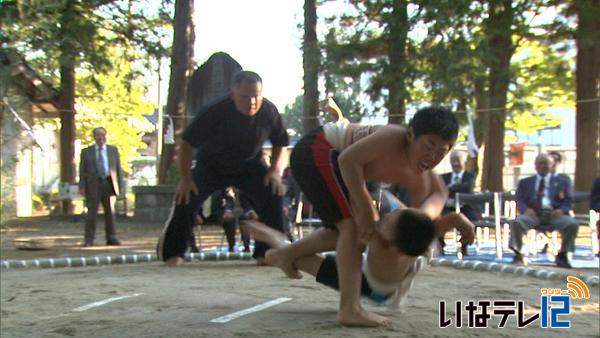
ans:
(590, 218)
(300, 223)
(487, 221)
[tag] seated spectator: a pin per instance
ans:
(248, 213)
(595, 205)
(219, 209)
(459, 181)
(544, 200)
(557, 157)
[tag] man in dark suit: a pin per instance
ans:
(459, 181)
(100, 178)
(544, 200)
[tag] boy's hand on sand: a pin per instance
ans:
(467, 232)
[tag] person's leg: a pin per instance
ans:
(174, 239)
(267, 205)
(109, 216)
(313, 265)
(348, 254)
(229, 228)
(518, 229)
(328, 105)
(261, 232)
(245, 239)
(175, 236)
(248, 214)
(193, 245)
(319, 240)
(568, 228)
(324, 269)
(228, 214)
(92, 201)
(314, 168)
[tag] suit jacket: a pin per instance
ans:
(595, 195)
(559, 193)
(88, 172)
(465, 186)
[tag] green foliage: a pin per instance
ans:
(530, 122)
(543, 78)
(105, 100)
(88, 31)
(449, 57)
(357, 47)
(38, 202)
(292, 117)
(111, 44)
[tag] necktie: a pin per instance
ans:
(540, 193)
(100, 163)
(455, 179)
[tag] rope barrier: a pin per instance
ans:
(536, 272)
(460, 111)
(119, 259)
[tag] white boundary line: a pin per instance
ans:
(260, 307)
(102, 302)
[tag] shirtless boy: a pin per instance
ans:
(332, 165)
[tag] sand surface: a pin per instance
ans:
(151, 300)
(180, 302)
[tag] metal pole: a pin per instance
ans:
(498, 226)
(159, 125)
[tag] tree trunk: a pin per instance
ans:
(588, 90)
(499, 35)
(396, 73)
(311, 59)
(67, 129)
(66, 104)
(181, 54)
(479, 127)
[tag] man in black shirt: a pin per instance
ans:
(228, 135)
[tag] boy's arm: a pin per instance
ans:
(458, 221)
(353, 161)
(434, 203)
(273, 177)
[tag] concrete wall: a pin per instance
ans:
(15, 156)
(153, 203)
